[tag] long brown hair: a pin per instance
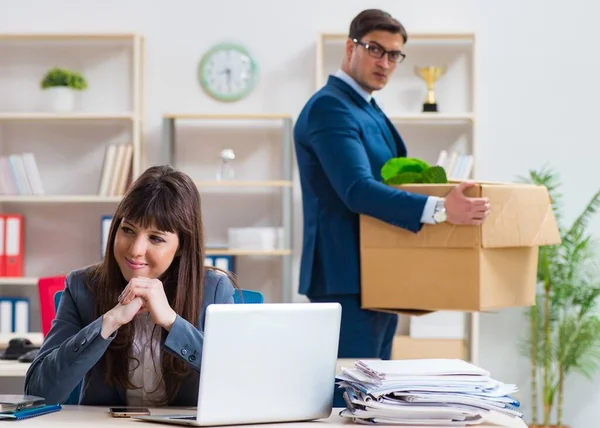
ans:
(167, 199)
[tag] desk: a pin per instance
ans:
(99, 417)
(13, 368)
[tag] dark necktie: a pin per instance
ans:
(383, 123)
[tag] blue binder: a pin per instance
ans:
(224, 262)
(31, 412)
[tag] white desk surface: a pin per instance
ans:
(13, 368)
(99, 417)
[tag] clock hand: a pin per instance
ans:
(228, 71)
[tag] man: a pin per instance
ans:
(342, 139)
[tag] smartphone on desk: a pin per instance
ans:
(127, 412)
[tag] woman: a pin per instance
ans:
(132, 326)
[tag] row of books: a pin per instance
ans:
(12, 243)
(458, 166)
(14, 315)
(116, 170)
(19, 175)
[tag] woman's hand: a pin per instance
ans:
(155, 300)
(120, 315)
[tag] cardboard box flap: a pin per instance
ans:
(519, 217)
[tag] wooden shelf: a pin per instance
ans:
(65, 36)
(241, 183)
(234, 252)
(64, 116)
(18, 280)
(432, 118)
(58, 199)
(12, 368)
(418, 36)
(192, 116)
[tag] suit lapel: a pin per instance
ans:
(377, 116)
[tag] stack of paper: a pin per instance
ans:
(423, 392)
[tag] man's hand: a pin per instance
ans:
(461, 209)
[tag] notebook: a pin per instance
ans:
(31, 412)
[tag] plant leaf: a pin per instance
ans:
(435, 174)
(406, 178)
(395, 166)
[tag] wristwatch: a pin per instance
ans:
(439, 212)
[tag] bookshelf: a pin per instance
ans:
(426, 134)
(283, 183)
(69, 147)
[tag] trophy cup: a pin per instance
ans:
(226, 170)
(430, 75)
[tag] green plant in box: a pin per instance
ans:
(397, 171)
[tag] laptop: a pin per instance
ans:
(261, 363)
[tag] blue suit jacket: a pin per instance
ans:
(341, 143)
(74, 346)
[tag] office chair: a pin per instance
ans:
(248, 296)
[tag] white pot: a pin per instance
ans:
(60, 99)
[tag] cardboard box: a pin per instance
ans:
(406, 348)
(466, 268)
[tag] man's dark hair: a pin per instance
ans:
(373, 20)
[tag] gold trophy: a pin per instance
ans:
(430, 75)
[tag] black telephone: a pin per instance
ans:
(17, 347)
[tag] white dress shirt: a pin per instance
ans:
(429, 209)
(147, 374)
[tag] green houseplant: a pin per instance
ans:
(60, 85)
(398, 171)
(564, 327)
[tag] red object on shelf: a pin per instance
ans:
(47, 288)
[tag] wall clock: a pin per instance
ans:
(228, 72)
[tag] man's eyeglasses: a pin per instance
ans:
(376, 51)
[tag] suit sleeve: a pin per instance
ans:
(335, 139)
(69, 351)
(185, 340)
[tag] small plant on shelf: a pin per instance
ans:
(61, 84)
(62, 77)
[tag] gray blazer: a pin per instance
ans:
(73, 347)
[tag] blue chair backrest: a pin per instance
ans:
(57, 299)
(248, 296)
(240, 296)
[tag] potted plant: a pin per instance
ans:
(564, 327)
(60, 84)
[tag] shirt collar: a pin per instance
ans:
(350, 81)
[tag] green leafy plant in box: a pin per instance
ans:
(397, 171)
(62, 77)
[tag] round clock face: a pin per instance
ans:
(227, 72)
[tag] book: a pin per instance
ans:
(31, 412)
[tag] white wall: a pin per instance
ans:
(537, 92)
